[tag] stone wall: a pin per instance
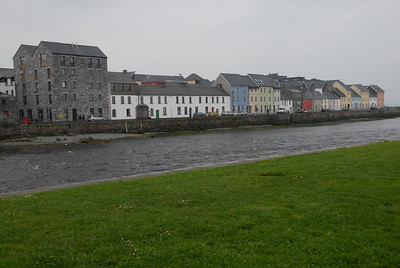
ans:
(186, 124)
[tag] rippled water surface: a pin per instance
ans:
(36, 168)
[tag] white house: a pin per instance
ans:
(7, 83)
(129, 100)
(286, 103)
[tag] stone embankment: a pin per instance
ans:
(10, 130)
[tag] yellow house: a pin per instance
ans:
(345, 102)
(364, 93)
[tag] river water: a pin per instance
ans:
(30, 169)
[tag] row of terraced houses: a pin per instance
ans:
(69, 82)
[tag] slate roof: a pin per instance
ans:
(339, 93)
(74, 49)
(354, 94)
(331, 95)
(362, 88)
(6, 73)
(377, 88)
(372, 92)
(204, 82)
(119, 77)
(239, 80)
(263, 80)
(181, 90)
(29, 48)
(150, 78)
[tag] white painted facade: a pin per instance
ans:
(7, 86)
(123, 107)
(373, 101)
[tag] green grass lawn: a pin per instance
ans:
(336, 208)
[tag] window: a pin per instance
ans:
(212, 99)
(114, 113)
(91, 111)
(62, 60)
(64, 84)
(179, 111)
(48, 73)
(100, 111)
(141, 100)
(122, 100)
(50, 100)
(91, 85)
(24, 100)
(98, 65)
(72, 62)
(199, 99)
(159, 99)
(74, 97)
(206, 99)
(217, 99)
(90, 63)
(223, 99)
(98, 85)
(99, 97)
(91, 73)
(36, 75)
(98, 73)
(183, 99)
(49, 85)
(91, 97)
(72, 72)
(64, 71)
(164, 110)
(151, 112)
(42, 60)
(206, 109)
(128, 112)
(190, 99)
(113, 99)
(112, 87)
(151, 99)
(65, 97)
(22, 62)
(129, 87)
(36, 87)
(23, 76)
(177, 99)
(165, 100)
(73, 84)
(186, 110)
(24, 88)
(129, 100)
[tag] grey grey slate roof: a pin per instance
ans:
(239, 80)
(361, 88)
(118, 77)
(263, 80)
(181, 90)
(339, 93)
(29, 48)
(377, 88)
(193, 77)
(372, 92)
(330, 95)
(73, 49)
(151, 78)
(6, 73)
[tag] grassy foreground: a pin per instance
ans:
(336, 208)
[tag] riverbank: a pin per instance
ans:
(327, 209)
(18, 131)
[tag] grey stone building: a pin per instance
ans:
(61, 82)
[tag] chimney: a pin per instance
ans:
(125, 71)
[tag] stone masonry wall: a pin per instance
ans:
(186, 124)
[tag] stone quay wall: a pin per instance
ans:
(14, 130)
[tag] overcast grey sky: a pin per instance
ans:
(357, 41)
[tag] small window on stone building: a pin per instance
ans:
(98, 73)
(72, 62)
(72, 72)
(74, 97)
(91, 73)
(48, 73)
(99, 97)
(91, 85)
(91, 97)
(24, 88)
(65, 97)
(36, 75)
(90, 63)
(23, 76)
(49, 85)
(64, 71)
(73, 84)
(62, 60)
(24, 100)
(64, 84)
(98, 85)
(42, 60)
(98, 65)
(50, 99)
(100, 111)
(22, 62)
